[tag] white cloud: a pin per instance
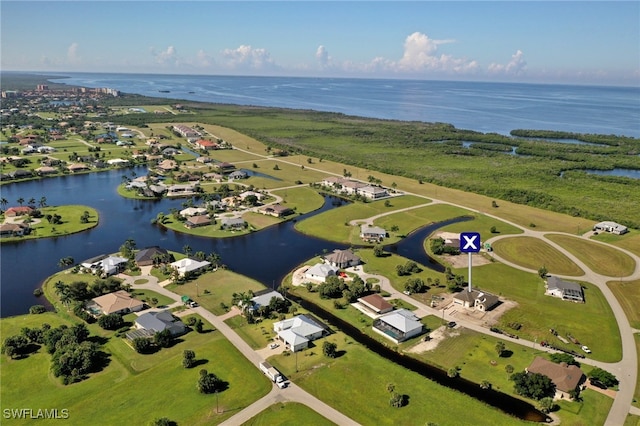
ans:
(322, 55)
(516, 66)
(203, 59)
(166, 57)
(246, 57)
(72, 53)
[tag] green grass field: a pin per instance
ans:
(303, 199)
(221, 284)
(629, 241)
(599, 258)
(288, 414)
(533, 253)
(628, 295)
(71, 222)
(120, 392)
(538, 313)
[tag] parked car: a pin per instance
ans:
(586, 349)
(193, 304)
(597, 383)
(451, 324)
(274, 345)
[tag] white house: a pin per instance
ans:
(107, 265)
(373, 192)
(398, 326)
(372, 233)
(565, 290)
(612, 227)
(298, 331)
(193, 211)
(320, 272)
(186, 265)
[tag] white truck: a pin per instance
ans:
(273, 374)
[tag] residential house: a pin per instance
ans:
(238, 174)
(151, 255)
(187, 265)
(157, 321)
(105, 265)
(232, 223)
(264, 299)
(167, 166)
(352, 187)
(193, 211)
(276, 210)
(565, 377)
(118, 162)
(398, 326)
(565, 290)
(320, 272)
(45, 170)
(77, 167)
(342, 259)
(183, 190)
(18, 211)
(118, 302)
(476, 299)
(196, 221)
(298, 331)
(612, 227)
(205, 144)
(13, 229)
(372, 233)
(376, 304)
(204, 160)
(373, 192)
(225, 167)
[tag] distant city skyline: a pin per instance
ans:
(518, 41)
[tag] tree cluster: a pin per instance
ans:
(335, 287)
(533, 385)
(606, 378)
(408, 268)
(439, 247)
(209, 382)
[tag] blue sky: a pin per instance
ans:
(553, 42)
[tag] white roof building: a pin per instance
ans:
(613, 227)
(398, 325)
(186, 265)
(320, 272)
(298, 331)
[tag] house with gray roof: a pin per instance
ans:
(320, 272)
(298, 331)
(232, 223)
(398, 326)
(565, 290)
(372, 233)
(187, 265)
(342, 259)
(264, 299)
(158, 321)
(150, 255)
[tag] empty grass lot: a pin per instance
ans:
(288, 414)
(71, 223)
(628, 295)
(303, 198)
(629, 241)
(120, 392)
(599, 258)
(538, 313)
(221, 285)
(533, 253)
(334, 224)
(334, 381)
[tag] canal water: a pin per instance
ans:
(507, 403)
(266, 256)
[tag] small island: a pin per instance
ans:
(25, 222)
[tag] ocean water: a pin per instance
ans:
(480, 106)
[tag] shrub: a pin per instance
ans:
(37, 309)
(142, 345)
(111, 321)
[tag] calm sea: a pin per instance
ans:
(480, 106)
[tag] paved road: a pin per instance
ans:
(292, 393)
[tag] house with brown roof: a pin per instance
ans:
(77, 167)
(480, 300)
(198, 220)
(276, 210)
(205, 144)
(13, 229)
(225, 167)
(18, 211)
(565, 377)
(376, 304)
(118, 302)
(342, 259)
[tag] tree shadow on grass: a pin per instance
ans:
(340, 353)
(199, 362)
(506, 353)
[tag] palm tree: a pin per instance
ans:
(187, 250)
(20, 200)
(3, 202)
(214, 259)
(32, 202)
(43, 202)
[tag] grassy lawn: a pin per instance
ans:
(533, 253)
(303, 199)
(538, 313)
(593, 409)
(221, 285)
(628, 295)
(340, 217)
(288, 414)
(147, 295)
(120, 392)
(334, 381)
(71, 223)
(629, 241)
(599, 258)
(256, 335)
(209, 231)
